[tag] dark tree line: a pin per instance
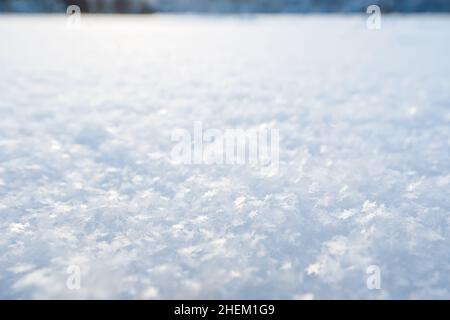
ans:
(148, 6)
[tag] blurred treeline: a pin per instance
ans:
(224, 6)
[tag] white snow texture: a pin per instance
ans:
(87, 180)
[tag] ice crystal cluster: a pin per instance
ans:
(87, 180)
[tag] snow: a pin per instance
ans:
(86, 177)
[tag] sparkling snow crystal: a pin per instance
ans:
(92, 205)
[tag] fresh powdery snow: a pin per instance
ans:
(94, 205)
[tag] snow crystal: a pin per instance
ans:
(87, 180)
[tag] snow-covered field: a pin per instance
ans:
(87, 179)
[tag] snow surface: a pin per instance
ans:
(86, 176)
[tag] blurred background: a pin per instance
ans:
(224, 6)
